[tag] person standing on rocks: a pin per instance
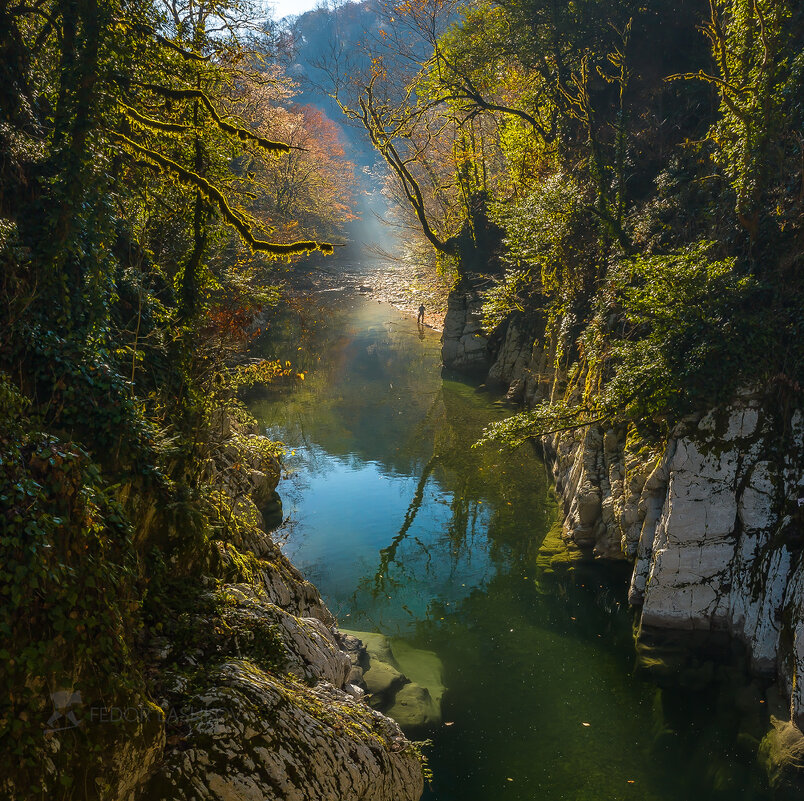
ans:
(420, 318)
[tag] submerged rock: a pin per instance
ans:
(418, 704)
(404, 682)
(382, 681)
(781, 754)
(414, 707)
(555, 552)
(272, 511)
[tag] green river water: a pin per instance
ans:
(408, 531)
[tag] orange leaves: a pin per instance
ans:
(310, 190)
(378, 69)
(233, 322)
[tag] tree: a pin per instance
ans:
(758, 80)
(125, 233)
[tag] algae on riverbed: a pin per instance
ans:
(402, 681)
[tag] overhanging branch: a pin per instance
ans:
(214, 195)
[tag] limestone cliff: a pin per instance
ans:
(712, 519)
(255, 688)
(463, 345)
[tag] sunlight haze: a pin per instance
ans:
(286, 8)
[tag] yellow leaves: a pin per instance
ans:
(378, 70)
(211, 191)
(261, 372)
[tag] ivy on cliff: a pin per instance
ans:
(135, 259)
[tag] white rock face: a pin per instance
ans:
(258, 737)
(716, 560)
(512, 361)
(463, 346)
(709, 524)
(693, 543)
(714, 524)
(313, 653)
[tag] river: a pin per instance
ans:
(409, 531)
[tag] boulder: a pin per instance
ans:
(254, 736)
(414, 707)
(464, 348)
(403, 682)
(383, 681)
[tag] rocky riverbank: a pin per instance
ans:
(712, 519)
(402, 286)
(259, 696)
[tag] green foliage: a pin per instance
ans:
(65, 377)
(448, 267)
(417, 749)
(550, 230)
(128, 291)
(69, 583)
(688, 328)
(671, 335)
(513, 293)
(756, 46)
(205, 626)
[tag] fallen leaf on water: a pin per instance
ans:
(449, 723)
(508, 779)
(586, 724)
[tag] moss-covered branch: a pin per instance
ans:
(237, 131)
(233, 217)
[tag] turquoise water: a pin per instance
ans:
(409, 531)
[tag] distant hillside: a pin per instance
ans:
(318, 38)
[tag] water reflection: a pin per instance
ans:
(408, 531)
(391, 508)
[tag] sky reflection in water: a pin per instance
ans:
(407, 530)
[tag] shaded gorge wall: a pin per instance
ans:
(710, 519)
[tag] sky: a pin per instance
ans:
(283, 8)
